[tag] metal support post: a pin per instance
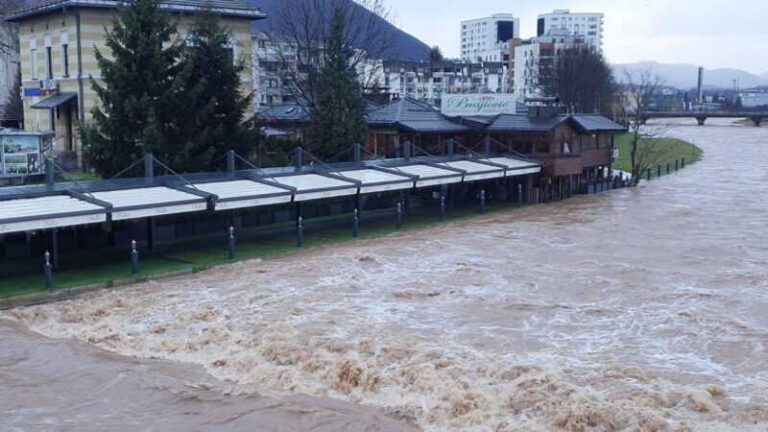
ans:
(149, 169)
(55, 248)
(134, 259)
(230, 163)
(357, 154)
(442, 208)
(300, 232)
(48, 270)
(399, 215)
(49, 174)
(356, 224)
(298, 162)
(231, 243)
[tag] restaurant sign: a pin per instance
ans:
(479, 104)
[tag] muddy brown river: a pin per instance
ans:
(633, 310)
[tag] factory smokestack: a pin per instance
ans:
(700, 92)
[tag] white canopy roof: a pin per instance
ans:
(47, 212)
(236, 194)
(315, 186)
(475, 170)
(378, 181)
(33, 213)
(516, 167)
(150, 201)
(430, 175)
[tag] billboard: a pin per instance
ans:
(478, 104)
(20, 155)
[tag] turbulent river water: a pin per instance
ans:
(642, 309)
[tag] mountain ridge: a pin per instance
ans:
(404, 45)
(685, 76)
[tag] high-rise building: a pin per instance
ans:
(486, 39)
(586, 25)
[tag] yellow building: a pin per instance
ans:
(58, 41)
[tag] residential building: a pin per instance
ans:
(586, 25)
(58, 40)
(534, 60)
(486, 39)
(753, 100)
(425, 81)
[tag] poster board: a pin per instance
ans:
(20, 155)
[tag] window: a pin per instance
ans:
(33, 60)
(65, 59)
(48, 62)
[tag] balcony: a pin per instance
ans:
(595, 157)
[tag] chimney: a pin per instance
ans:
(700, 90)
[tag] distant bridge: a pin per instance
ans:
(702, 116)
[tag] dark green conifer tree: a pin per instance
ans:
(136, 112)
(212, 105)
(339, 108)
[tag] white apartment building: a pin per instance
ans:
(485, 39)
(587, 25)
(423, 81)
(428, 82)
(535, 60)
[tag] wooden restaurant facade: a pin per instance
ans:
(576, 149)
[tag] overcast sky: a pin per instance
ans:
(712, 33)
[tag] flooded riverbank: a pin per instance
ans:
(630, 310)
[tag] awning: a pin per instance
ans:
(55, 101)
(28, 214)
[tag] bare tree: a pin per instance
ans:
(581, 78)
(302, 30)
(647, 150)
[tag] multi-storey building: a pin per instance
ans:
(424, 81)
(535, 60)
(58, 41)
(428, 81)
(485, 39)
(586, 25)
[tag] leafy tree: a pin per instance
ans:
(137, 97)
(581, 78)
(212, 105)
(339, 109)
